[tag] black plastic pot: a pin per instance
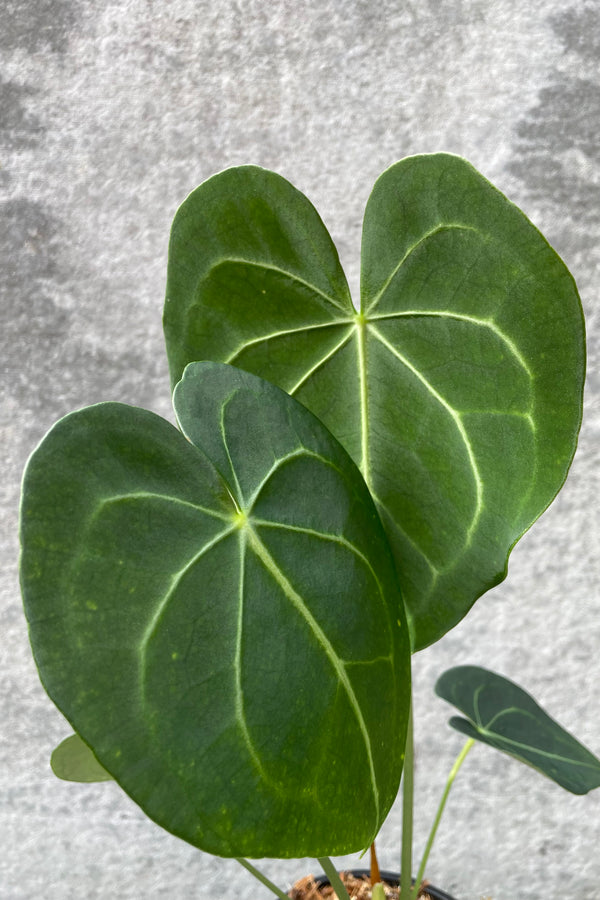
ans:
(392, 878)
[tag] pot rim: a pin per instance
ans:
(391, 878)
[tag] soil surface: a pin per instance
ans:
(358, 888)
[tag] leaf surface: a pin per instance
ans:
(506, 717)
(73, 760)
(457, 388)
(218, 616)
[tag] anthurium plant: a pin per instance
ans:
(225, 611)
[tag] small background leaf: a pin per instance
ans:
(73, 760)
(506, 717)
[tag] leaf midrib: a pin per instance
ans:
(337, 664)
(501, 739)
(248, 537)
(359, 325)
(486, 732)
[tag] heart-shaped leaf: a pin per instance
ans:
(218, 616)
(456, 389)
(73, 760)
(504, 716)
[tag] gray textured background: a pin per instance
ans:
(110, 114)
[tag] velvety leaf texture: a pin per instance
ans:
(218, 616)
(456, 388)
(504, 716)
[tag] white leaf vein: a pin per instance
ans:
(269, 267)
(456, 418)
(168, 498)
(175, 581)
(461, 317)
(444, 226)
(336, 663)
(284, 332)
(280, 462)
(321, 362)
(326, 536)
(239, 691)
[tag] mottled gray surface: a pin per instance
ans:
(109, 114)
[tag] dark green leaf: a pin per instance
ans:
(73, 760)
(457, 389)
(219, 618)
(504, 716)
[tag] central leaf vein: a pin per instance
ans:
(239, 500)
(365, 465)
(324, 536)
(337, 664)
(239, 692)
(528, 748)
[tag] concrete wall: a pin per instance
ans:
(110, 113)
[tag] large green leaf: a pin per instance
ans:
(218, 616)
(504, 716)
(456, 389)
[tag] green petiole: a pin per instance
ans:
(413, 894)
(407, 809)
(334, 879)
(262, 878)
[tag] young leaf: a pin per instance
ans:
(218, 616)
(73, 760)
(504, 716)
(457, 388)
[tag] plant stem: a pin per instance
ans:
(334, 879)
(407, 809)
(375, 872)
(453, 773)
(262, 878)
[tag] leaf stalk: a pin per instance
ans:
(262, 878)
(407, 808)
(334, 878)
(453, 773)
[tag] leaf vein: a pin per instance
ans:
(461, 317)
(537, 751)
(269, 267)
(445, 226)
(152, 495)
(175, 581)
(239, 693)
(334, 538)
(284, 333)
(393, 521)
(456, 418)
(337, 664)
(321, 362)
(281, 461)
